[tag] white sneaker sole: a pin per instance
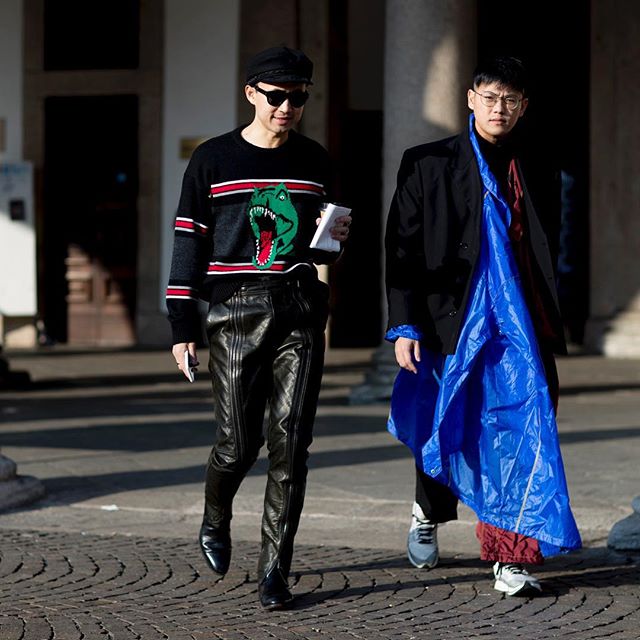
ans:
(425, 565)
(525, 589)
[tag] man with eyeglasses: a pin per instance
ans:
(471, 247)
(247, 213)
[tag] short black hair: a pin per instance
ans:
(505, 70)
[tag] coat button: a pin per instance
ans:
(464, 246)
(452, 313)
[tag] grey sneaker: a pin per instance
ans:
(514, 580)
(422, 543)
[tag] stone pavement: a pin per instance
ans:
(120, 443)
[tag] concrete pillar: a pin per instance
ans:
(430, 53)
(614, 324)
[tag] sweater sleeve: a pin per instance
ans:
(191, 251)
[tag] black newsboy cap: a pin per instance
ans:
(279, 64)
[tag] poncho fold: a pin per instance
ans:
(481, 421)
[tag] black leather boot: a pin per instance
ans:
(274, 591)
(215, 545)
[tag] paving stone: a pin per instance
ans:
(68, 585)
(105, 438)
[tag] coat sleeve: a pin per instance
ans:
(404, 247)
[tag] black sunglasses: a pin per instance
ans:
(277, 96)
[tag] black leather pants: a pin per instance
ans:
(266, 348)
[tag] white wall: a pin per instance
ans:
(17, 242)
(11, 77)
(200, 91)
(17, 238)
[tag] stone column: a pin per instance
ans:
(614, 324)
(430, 53)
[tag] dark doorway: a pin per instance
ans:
(356, 277)
(355, 144)
(89, 239)
(555, 47)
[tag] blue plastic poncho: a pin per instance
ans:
(481, 420)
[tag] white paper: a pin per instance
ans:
(322, 238)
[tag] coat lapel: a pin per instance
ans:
(465, 179)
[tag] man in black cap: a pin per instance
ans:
(247, 212)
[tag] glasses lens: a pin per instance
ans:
(512, 103)
(297, 98)
(276, 97)
(489, 100)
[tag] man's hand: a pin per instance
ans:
(340, 230)
(178, 353)
(407, 353)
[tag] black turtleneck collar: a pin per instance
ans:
(498, 156)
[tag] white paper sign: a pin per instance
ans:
(17, 240)
(322, 238)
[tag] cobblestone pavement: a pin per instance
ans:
(71, 586)
(120, 443)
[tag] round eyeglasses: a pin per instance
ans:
(490, 99)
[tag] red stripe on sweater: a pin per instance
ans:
(183, 224)
(248, 267)
(291, 186)
(179, 292)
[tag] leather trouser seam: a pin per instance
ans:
(294, 417)
(236, 390)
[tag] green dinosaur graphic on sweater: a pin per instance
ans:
(274, 222)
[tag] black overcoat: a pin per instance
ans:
(433, 238)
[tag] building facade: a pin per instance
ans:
(101, 104)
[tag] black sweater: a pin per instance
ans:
(244, 211)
